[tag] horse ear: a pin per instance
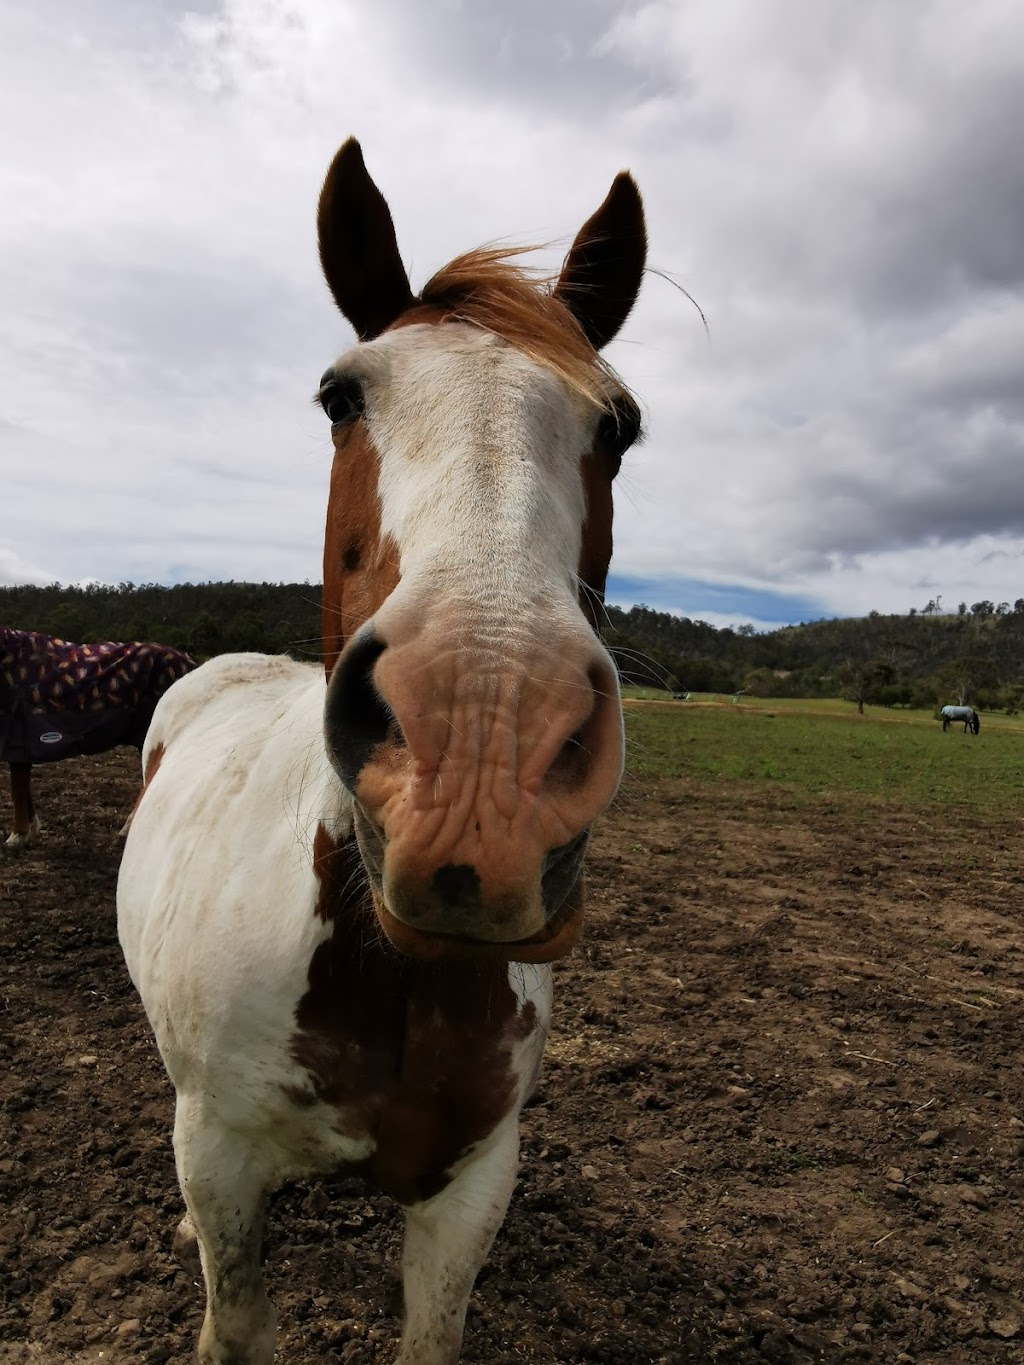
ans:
(601, 275)
(358, 248)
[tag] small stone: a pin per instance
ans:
(895, 1176)
(970, 1195)
(129, 1327)
(590, 1173)
(930, 1139)
(87, 1059)
(1006, 1326)
(909, 1290)
(316, 1203)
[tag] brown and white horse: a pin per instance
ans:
(339, 897)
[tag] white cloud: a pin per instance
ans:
(14, 569)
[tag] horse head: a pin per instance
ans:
(472, 712)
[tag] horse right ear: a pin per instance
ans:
(358, 247)
(602, 272)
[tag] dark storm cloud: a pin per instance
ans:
(979, 494)
(947, 222)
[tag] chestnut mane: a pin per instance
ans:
(488, 289)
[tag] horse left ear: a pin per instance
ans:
(358, 247)
(602, 272)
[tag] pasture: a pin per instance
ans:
(782, 1111)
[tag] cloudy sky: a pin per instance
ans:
(839, 185)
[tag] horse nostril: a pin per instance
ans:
(570, 763)
(584, 751)
(357, 718)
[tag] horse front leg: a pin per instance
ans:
(25, 822)
(225, 1195)
(446, 1240)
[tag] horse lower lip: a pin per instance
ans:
(555, 940)
(562, 868)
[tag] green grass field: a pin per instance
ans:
(818, 748)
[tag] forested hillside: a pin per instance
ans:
(975, 654)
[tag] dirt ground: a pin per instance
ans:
(781, 1117)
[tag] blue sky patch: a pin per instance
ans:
(701, 600)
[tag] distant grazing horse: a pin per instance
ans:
(58, 700)
(339, 895)
(965, 713)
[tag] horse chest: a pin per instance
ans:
(420, 1058)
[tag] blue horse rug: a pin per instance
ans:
(58, 699)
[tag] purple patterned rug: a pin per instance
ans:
(59, 699)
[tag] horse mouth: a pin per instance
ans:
(561, 891)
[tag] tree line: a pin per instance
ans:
(924, 658)
(203, 619)
(929, 656)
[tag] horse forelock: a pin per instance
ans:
(488, 288)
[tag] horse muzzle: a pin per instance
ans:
(455, 913)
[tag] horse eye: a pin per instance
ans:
(619, 428)
(342, 400)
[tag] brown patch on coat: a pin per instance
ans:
(596, 543)
(419, 1055)
(156, 757)
(361, 569)
(153, 762)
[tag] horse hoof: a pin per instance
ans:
(186, 1246)
(22, 838)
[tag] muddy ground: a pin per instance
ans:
(782, 1117)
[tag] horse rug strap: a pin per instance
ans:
(59, 699)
